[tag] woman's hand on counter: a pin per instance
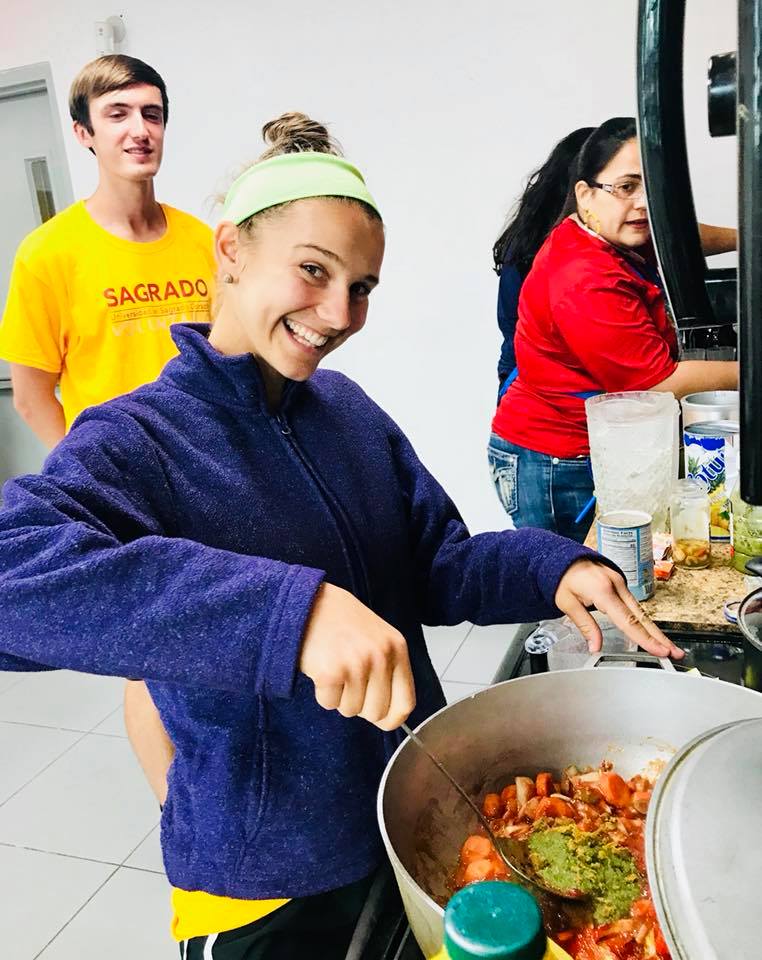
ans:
(590, 584)
(357, 661)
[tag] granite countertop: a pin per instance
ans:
(692, 600)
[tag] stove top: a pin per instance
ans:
(382, 931)
(713, 656)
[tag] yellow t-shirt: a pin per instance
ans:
(96, 309)
(199, 914)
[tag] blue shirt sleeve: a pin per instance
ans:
(93, 579)
(507, 315)
(509, 576)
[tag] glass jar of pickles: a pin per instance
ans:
(689, 521)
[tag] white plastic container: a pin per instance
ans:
(567, 649)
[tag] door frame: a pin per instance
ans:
(35, 78)
(38, 78)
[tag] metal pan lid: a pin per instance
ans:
(702, 845)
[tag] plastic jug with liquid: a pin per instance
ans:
(634, 451)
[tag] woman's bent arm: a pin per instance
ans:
(716, 240)
(693, 376)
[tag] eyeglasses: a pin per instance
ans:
(625, 190)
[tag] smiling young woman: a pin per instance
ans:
(297, 276)
(592, 319)
(258, 540)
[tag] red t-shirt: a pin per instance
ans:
(588, 323)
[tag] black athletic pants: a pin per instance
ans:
(319, 927)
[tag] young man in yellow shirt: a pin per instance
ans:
(94, 290)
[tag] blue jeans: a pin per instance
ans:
(538, 490)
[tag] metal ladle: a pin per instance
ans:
(513, 853)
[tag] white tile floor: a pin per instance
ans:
(81, 876)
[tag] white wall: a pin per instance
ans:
(445, 107)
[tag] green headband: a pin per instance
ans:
(293, 176)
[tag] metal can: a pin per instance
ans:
(710, 405)
(711, 455)
(624, 536)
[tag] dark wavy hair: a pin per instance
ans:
(536, 211)
(603, 144)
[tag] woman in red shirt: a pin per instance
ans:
(592, 319)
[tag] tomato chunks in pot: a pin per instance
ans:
(584, 829)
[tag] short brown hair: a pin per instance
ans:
(112, 72)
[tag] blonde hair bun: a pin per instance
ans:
(297, 133)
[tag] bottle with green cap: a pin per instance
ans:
(495, 920)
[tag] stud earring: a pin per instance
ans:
(228, 278)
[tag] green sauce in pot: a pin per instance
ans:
(568, 858)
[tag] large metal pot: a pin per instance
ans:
(547, 721)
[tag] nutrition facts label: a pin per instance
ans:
(631, 549)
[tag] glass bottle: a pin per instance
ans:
(745, 530)
(689, 520)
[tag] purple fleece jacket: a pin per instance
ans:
(179, 533)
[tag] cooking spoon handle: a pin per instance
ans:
(419, 743)
(482, 819)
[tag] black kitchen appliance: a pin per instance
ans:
(706, 303)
